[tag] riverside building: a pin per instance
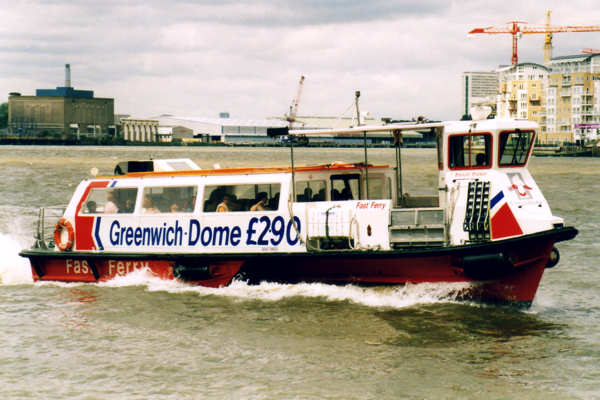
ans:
(60, 111)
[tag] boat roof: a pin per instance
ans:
(335, 166)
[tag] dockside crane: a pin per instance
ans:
(291, 116)
(518, 28)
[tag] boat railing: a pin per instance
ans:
(47, 219)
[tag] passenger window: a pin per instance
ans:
(248, 197)
(168, 199)
(379, 187)
(109, 201)
(514, 147)
(470, 151)
(345, 187)
(310, 191)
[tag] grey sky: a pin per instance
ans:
(198, 58)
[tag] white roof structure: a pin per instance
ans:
(218, 126)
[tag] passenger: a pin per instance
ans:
(235, 204)
(110, 207)
(174, 208)
(335, 195)
(346, 194)
(320, 196)
(307, 194)
(480, 160)
(225, 204)
(129, 206)
(91, 207)
(148, 207)
(188, 205)
(274, 202)
(261, 201)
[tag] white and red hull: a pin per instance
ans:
(504, 271)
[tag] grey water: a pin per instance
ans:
(141, 338)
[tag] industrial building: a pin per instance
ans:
(60, 111)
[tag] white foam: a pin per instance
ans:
(14, 269)
(394, 296)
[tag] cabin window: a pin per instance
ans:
(380, 187)
(243, 197)
(345, 187)
(470, 151)
(168, 199)
(109, 201)
(514, 147)
(310, 191)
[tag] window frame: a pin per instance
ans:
(143, 188)
(500, 165)
(472, 167)
(203, 200)
(105, 189)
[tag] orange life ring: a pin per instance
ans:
(63, 246)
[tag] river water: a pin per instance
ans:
(137, 337)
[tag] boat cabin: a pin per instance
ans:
(484, 193)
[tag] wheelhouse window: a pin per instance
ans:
(109, 201)
(345, 187)
(168, 199)
(514, 147)
(310, 191)
(470, 151)
(243, 197)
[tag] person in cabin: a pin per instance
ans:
(129, 206)
(480, 160)
(91, 207)
(225, 204)
(110, 207)
(261, 200)
(148, 206)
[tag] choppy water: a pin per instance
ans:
(138, 337)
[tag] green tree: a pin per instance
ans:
(3, 115)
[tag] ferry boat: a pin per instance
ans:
(342, 223)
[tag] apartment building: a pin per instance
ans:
(573, 97)
(522, 94)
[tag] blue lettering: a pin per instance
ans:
(170, 232)
(129, 236)
(137, 237)
(288, 230)
(236, 233)
(114, 233)
(261, 238)
(203, 239)
(178, 234)
(251, 231)
(220, 230)
(164, 227)
(195, 228)
(155, 236)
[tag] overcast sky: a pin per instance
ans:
(198, 58)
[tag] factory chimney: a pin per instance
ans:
(67, 75)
